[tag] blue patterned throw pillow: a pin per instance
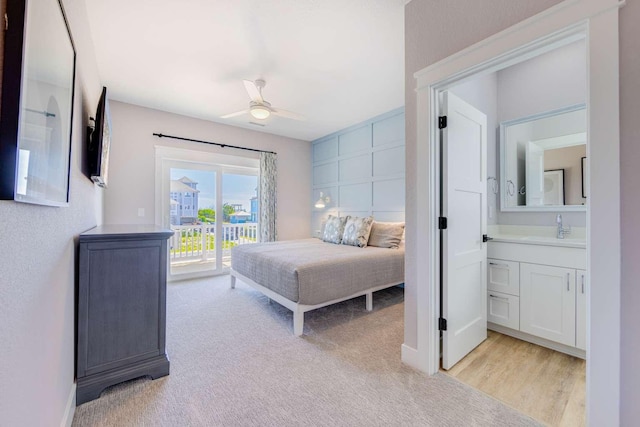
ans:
(333, 229)
(356, 231)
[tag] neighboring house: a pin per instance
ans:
(184, 201)
(239, 217)
(254, 209)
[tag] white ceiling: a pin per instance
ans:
(337, 62)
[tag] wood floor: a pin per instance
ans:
(546, 385)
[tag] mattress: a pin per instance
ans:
(310, 271)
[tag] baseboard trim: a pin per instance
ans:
(70, 409)
(410, 356)
(572, 351)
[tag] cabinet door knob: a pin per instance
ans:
(568, 284)
(582, 277)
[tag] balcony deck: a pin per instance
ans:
(193, 247)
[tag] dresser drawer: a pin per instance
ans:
(503, 276)
(503, 309)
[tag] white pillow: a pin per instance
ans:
(386, 234)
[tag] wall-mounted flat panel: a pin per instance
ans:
(385, 216)
(355, 140)
(389, 195)
(355, 168)
(325, 150)
(324, 174)
(388, 131)
(318, 218)
(361, 169)
(361, 214)
(388, 162)
(355, 197)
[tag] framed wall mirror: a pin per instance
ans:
(37, 104)
(541, 161)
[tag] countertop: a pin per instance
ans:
(534, 235)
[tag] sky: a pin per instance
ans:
(236, 189)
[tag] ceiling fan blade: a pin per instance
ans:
(288, 114)
(253, 91)
(237, 113)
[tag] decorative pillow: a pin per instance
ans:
(321, 231)
(356, 231)
(333, 229)
(386, 234)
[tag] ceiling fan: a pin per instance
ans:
(259, 108)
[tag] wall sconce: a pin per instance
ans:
(322, 201)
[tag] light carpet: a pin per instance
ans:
(236, 362)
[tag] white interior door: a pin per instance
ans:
(535, 175)
(464, 203)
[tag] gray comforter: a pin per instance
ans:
(310, 271)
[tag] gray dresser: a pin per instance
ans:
(121, 313)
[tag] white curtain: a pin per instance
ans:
(267, 197)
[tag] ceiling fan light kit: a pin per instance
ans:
(259, 108)
(260, 112)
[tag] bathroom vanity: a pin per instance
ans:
(537, 286)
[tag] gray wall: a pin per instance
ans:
(37, 271)
(133, 161)
(429, 38)
(547, 82)
(361, 169)
(528, 88)
(630, 223)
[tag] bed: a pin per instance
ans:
(306, 274)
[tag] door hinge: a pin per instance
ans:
(486, 238)
(442, 324)
(442, 223)
(442, 122)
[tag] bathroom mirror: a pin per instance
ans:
(541, 161)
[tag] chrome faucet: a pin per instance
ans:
(561, 230)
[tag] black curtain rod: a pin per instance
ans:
(159, 135)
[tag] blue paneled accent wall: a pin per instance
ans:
(361, 170)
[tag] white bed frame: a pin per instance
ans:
(300, 309)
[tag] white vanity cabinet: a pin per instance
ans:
(581, 309)
(503, 276)
(503, 309)
(538, 293)
(503, 290)
(548, 302)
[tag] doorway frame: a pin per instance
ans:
(597, 22)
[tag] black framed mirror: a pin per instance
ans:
(37, 103)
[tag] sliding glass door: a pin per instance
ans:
(240, 206)
(211, 207)
(192, 209)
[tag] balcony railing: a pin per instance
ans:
(198, 242)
